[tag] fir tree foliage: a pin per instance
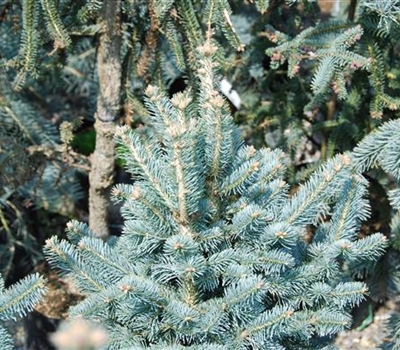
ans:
(54, 25)
(29, 42)
(340, 49)
(387, 12)
(48, 49)
(382, 148)
(215, 253)
(17, 301)
(330, 44)
(36, 176)
(146, 26)
(28, 181)
(394, 327)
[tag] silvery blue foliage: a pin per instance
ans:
(216, 252)
(16, 301)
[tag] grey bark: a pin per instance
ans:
(108, 108)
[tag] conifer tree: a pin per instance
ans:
(215, 252)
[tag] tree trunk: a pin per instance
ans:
(352, 10)
(108, 110)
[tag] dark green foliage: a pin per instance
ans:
(36, 181)
(215, 253)
(28, 183)
(84, 142)
(340, 49)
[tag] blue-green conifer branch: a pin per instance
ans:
(29, 42)
(214, 252)
(54, 25)
(17, 301)
(382, 148)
